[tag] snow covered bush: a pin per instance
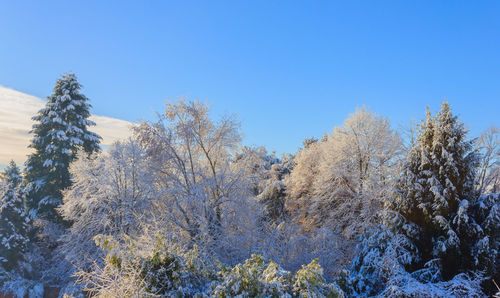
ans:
(461, 285)
(309, 282)
(260, 277)
(132, 271)
(15, 284)
(167, 270)
(256, 277)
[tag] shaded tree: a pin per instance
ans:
(436, 229)
(14, 224)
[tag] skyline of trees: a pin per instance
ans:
(369, 211)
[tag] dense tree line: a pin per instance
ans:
(183, 209)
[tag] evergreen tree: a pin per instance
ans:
(435, 227)
(13, 219)
(437, 183)
(60, 131)
(273, 195)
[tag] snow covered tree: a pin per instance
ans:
(59, 132)
(300, 185)
(437, 184)
(308, 142)
(488, 145)
(273, 196)
(13, 219)
(11, 175)
(267, 174)
(255, 163)
(340, 182)
(357, 171)
(203, 195)
(435, 226)
(110, 194)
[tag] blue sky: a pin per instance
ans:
(289, 69)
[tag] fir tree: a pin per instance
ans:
(435, 227)
(438, 181)
(13, 219)
(60, 131)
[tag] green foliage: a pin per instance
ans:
(257, 277)
(308, 278)
(109, 244)
(309, 282)
(169, 271)
(163, 271)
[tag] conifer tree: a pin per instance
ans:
(13, 219)
(60, 131)
(274, 194)
(437, 183)
(435, 226)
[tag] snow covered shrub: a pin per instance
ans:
(461, 285)
(166, 270)
(15, 284)
(162, 270)
(255, 277)
(309, 282)
(259, 277)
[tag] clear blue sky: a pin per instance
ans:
(289, 69)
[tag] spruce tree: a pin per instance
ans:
(437, 184)
(13, 219)
(60, 131)
(435, 227)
